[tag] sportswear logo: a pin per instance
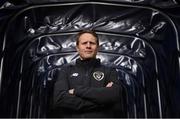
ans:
(74, 75)
(98, 75)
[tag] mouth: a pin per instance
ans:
(88, 52)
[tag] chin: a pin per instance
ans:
(85, 58)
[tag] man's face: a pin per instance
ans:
(87, 47)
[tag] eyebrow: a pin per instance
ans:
(88, 41)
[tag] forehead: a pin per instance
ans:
(87, 36)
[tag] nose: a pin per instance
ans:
(88, 45)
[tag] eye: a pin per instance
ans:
(92, 43)
(84, 43)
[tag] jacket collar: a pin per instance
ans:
(88, 63)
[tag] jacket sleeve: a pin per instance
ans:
(102, 95)
(61, 97)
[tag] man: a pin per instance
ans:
(87, 88)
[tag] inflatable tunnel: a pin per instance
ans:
(140, 38)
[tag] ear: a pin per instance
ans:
(77, 48)
(98, 47)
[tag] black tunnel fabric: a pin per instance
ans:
(157, 3)
(140, 42)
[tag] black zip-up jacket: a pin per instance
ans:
(91, 96)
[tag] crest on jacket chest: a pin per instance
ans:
(98, 75)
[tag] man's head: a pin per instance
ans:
(87, 44)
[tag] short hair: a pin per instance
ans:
(92, 32)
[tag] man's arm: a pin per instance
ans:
(109, 94)
(62, 97)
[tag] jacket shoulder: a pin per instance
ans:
(108, 66)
